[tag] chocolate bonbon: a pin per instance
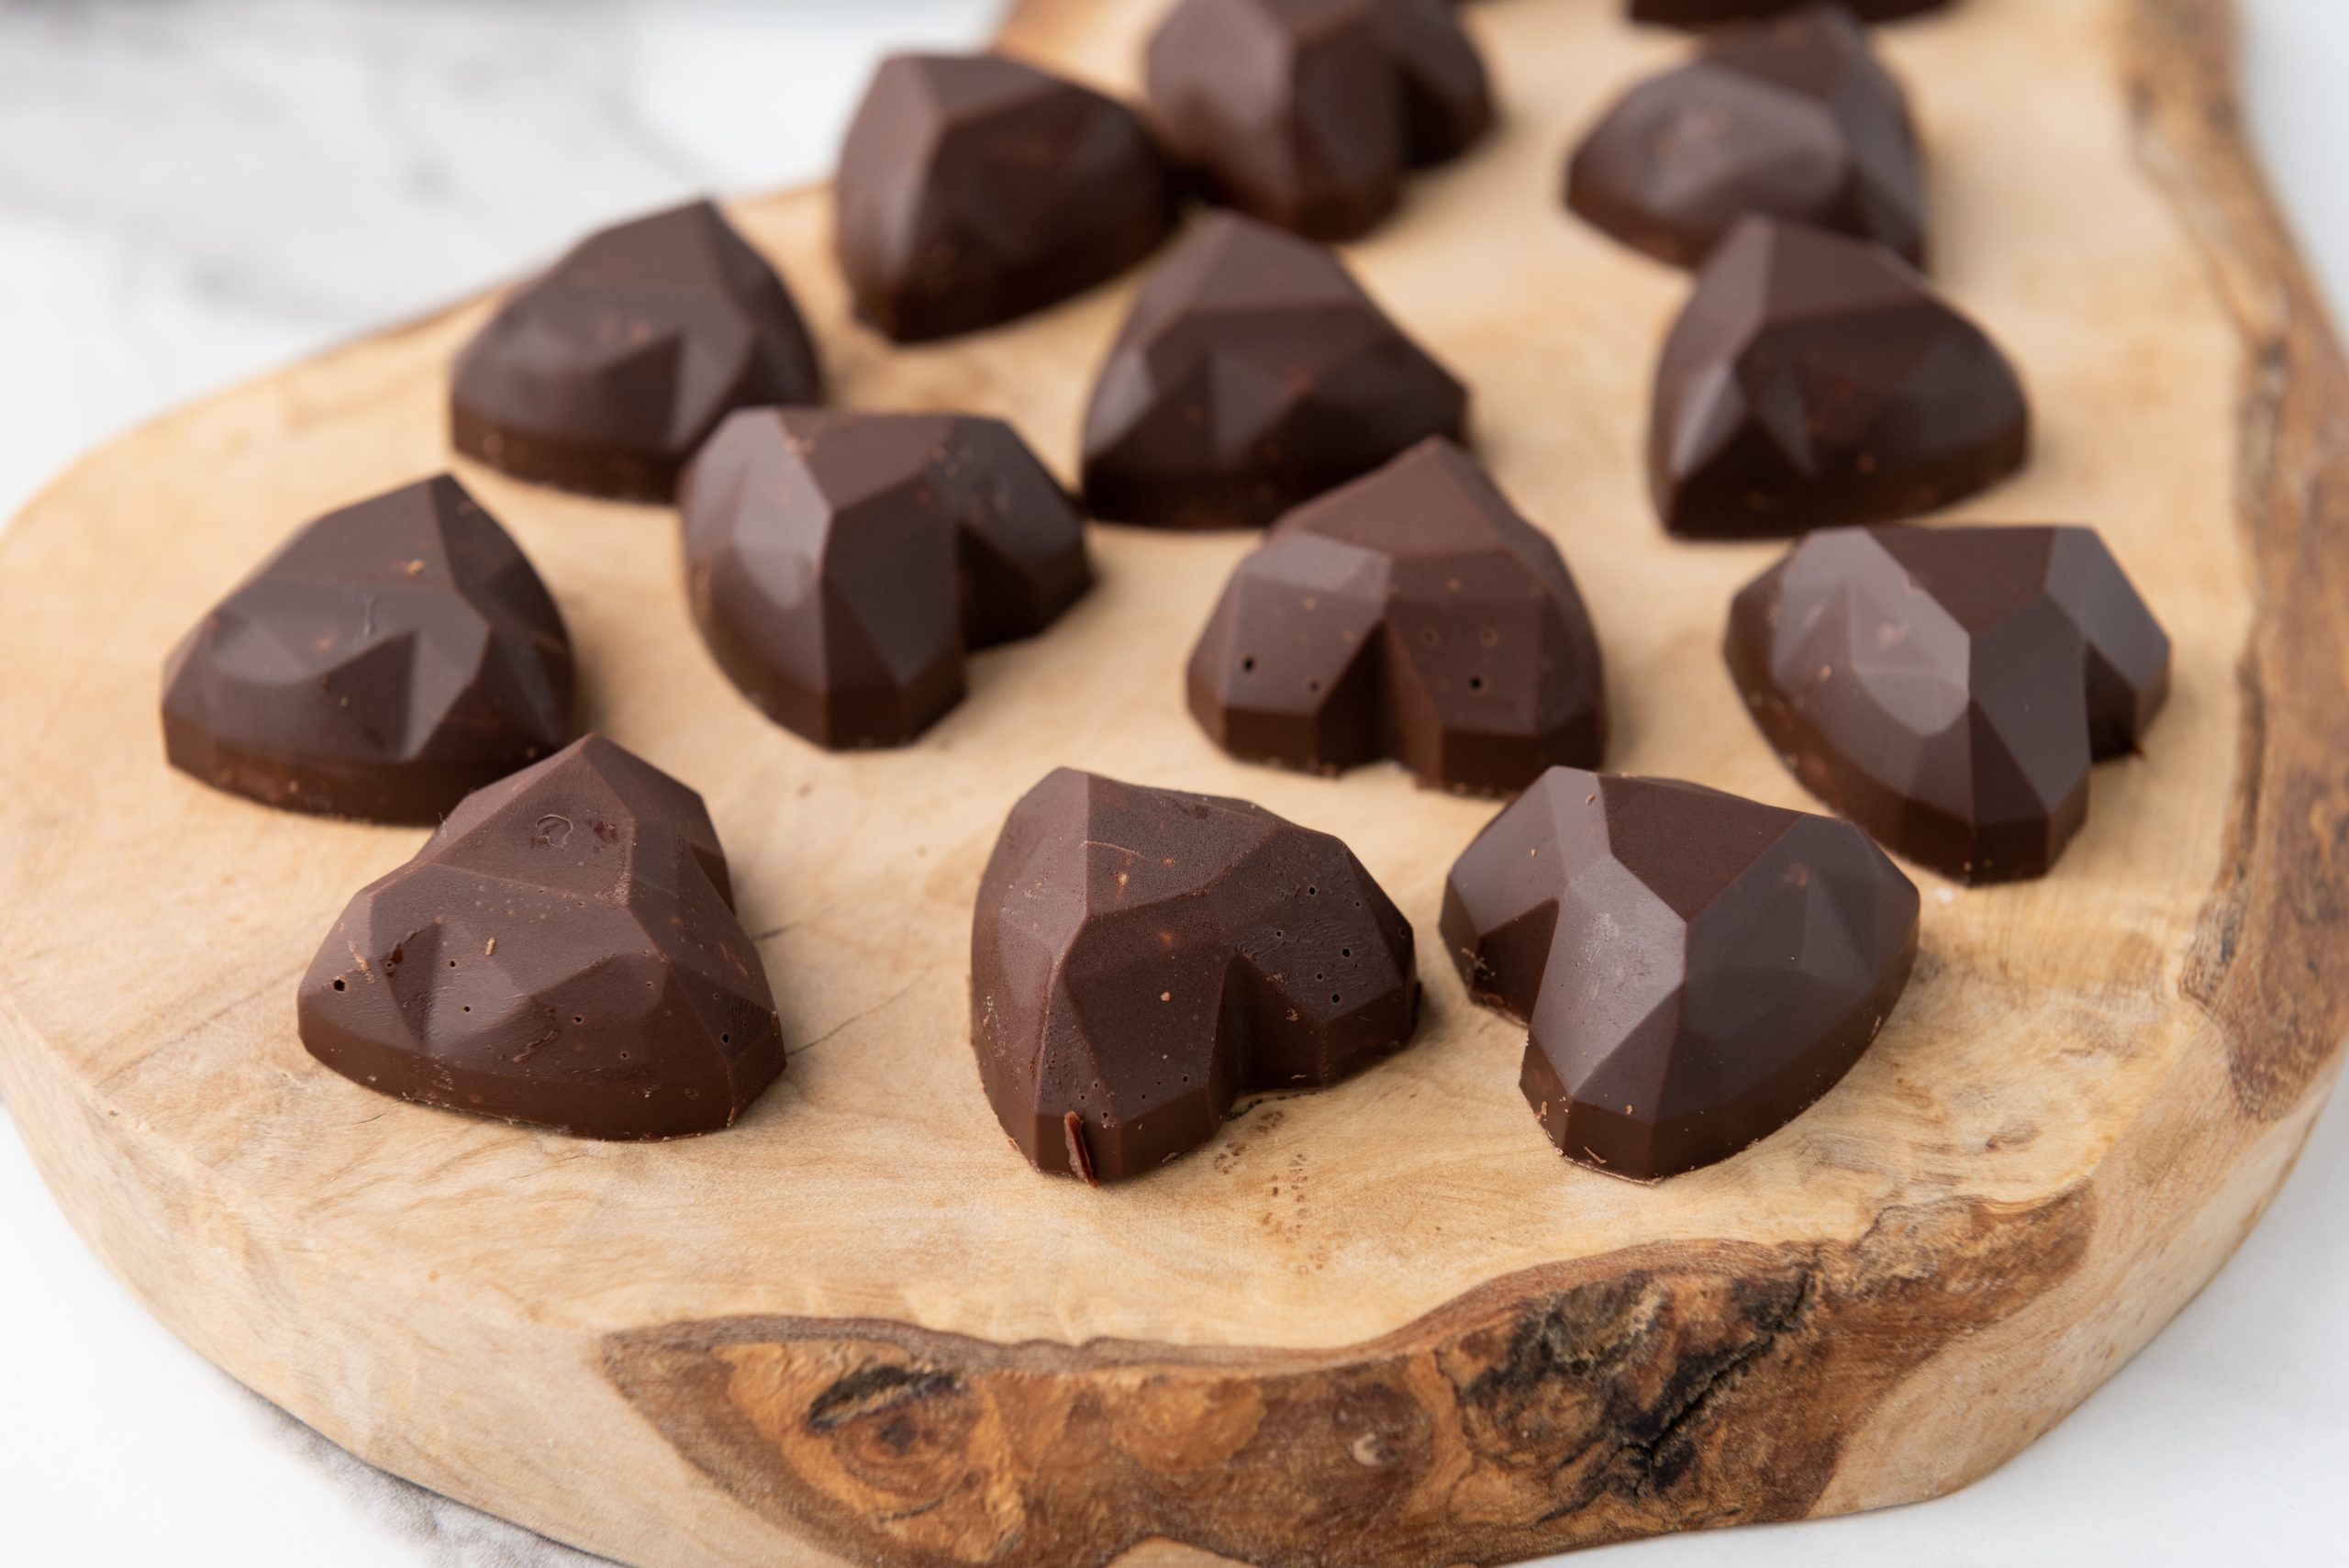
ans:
(1253, 374)
(1695, 969)
(1948, 688)
(1815, 380)
(1705, 13)
(562, 953)
(1140, 958)
(1414, 614)
(1308, 113)
(391, 658)
(1790, 119)
(605, 373)
(840, 565)
(974, 189)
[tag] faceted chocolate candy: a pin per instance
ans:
(840, 565)
(974, 189)
(563, 952)
(1140, 958)
(1815, 380)
(1306, 113)
(1792, 118)
(1947, 688)
(1703, 13)
(1695, 969)
(1253, 374)
(1410, 613)
(605, 373)
(389, 659)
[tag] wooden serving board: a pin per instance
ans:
(1381, 1325)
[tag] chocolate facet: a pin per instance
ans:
(1411, 614)
(561, 952)
(1814, 380)
(1695, 969)
(840, 564)
(1140, 958)
(1253, 374)
(605, 373)
(1704, 13)
(1792, 118)
(974, 189)
(1306, 113)
(1447, 100)
(389, 659)
(1947, 688)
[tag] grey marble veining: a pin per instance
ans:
(439, 1531)
(193, 193)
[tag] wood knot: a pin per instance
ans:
(873, 1388)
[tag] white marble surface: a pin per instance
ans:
(193, 194)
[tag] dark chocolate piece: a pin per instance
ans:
(1306, 113)
(605, 373)
(1947, 688)
(1253, 374)
(389, 659)
(1695, 969)
(1705, 13)
(1410, 613)
(561, 952)
(1814, 380)
(974, 189)
(840, 565)
(1447, 99)
(1140, 958)
(1792, 118)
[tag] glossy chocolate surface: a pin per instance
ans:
(605, 373)
(1695, 969)
(974, 189)
(1410, 613)
(842, 564)
(1948, 688)
(389, 659)
(1306, 113)
(562, 953)
(1814, 380)
(1253, 374)
(1791, 119)
(1140, 958)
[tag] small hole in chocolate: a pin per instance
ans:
(1476, 683)
(1248, 665)
(340, 986)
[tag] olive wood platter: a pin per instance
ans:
(1384, 1324)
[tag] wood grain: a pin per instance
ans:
(1383, 1324)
